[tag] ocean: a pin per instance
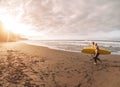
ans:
(76, 45)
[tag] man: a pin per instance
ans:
(93, 46)
(96, 54)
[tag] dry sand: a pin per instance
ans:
(24, 65)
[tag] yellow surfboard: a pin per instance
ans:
(91, 50)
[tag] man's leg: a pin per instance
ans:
(96, 58)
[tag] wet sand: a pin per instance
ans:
(23, 65)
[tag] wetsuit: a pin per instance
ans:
(97, 55)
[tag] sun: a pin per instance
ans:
(11, 24)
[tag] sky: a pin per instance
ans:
(65, 19)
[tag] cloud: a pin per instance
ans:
(70, 17)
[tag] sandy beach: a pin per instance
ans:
(23, 65)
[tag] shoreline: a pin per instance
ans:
(57, 49)
(62, 49)
(25, 65)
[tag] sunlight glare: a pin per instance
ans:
(13, 25)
